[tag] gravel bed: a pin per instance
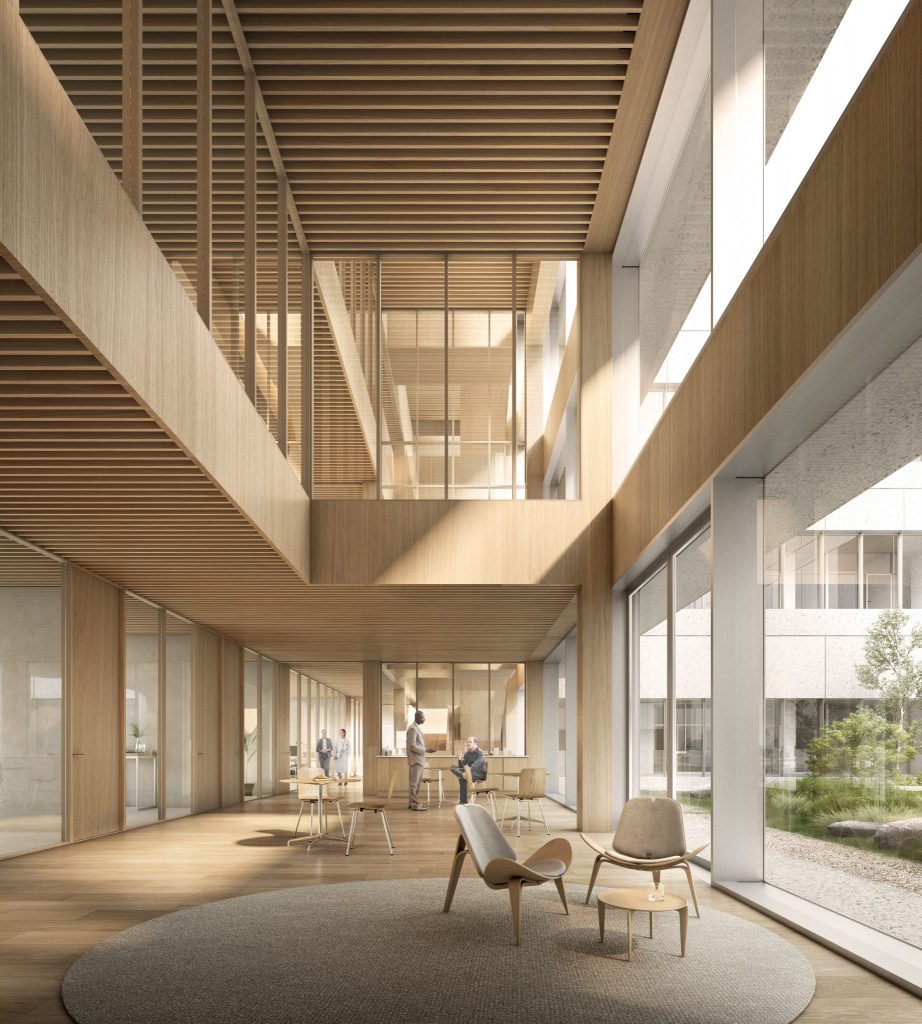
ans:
(851, 860)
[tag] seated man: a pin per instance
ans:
(473, 756)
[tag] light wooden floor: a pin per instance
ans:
(57, 904)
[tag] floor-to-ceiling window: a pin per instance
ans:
(142, 711)
(31, 698)
(843, 659)
(670, 656)
(445, 377)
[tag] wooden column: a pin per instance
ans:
(132, 120)
(249, 238)
(307, 374)
(206, 719)
(283, 315)
(231, 723)
(95, 724)
(371, 726)
(203, 228)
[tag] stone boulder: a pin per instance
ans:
(900, 835)
(853, 829)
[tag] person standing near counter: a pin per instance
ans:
(324, 750)
(416, 759)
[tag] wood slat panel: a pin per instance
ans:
(478, 103)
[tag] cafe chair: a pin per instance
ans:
(531, 789)
(497, 865)
(650, 837)
(377, 806)
(480, 788)
(308, 795)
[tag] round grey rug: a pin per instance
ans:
(384, 952)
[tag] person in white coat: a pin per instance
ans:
(341, 757)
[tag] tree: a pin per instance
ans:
(862, 746)
(890, 667)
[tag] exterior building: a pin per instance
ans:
(554, 372)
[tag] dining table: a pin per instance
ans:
(321, 834)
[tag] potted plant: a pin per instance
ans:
(249, 752)
(137, 731)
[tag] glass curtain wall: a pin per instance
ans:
(460, 700)
(478, 375)
(345, 713)
(670, 624)
(843, 654)
(177, 718)
(142, 711)
(31, 698)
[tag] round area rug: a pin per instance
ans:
(385, 952)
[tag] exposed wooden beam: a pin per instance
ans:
(654, 45)
(283, 315)
(243, 52)
(132, 98)
(249, 240)
(329, 291)
(203, 162)
(307, 373)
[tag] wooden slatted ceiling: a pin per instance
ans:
(88, 475)
(402, 124)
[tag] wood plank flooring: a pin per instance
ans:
(57, 904)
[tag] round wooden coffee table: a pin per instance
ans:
(636, 899)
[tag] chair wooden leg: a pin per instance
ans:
(456, 866)
(691, 885)
(387, 832)
(518, 819)
(352, 824)
(502, 820)
(563, 894)
(515, 898)
(339, 811)
(492, 804)
(595, 873)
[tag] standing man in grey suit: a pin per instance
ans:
(416, 759)
(324, 750)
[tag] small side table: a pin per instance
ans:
(636, 899)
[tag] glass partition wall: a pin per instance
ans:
(445, 377)
(670, 658)
(486, 700)
(142, 711)
(31, 698)
(316, 706)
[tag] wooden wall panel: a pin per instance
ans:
(853, 224)
(231, 724)
(534, 713)
(67, 222)
(94, 694)
(206, 720)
